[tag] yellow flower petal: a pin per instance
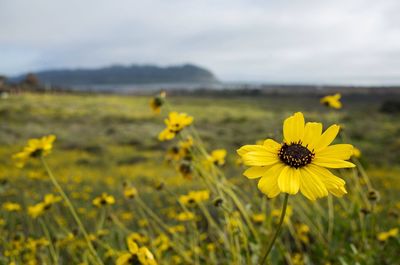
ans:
(337, 151)
(293, 128)
(334, 185)
(272, 146)
(327, 137)
(247, 148)
(311, 185)
(312, 132)
(123, 259)
(260, 159)
(332, 163)
(255, 172)
(289, 180)
(268, 184)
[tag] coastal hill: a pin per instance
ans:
(118, 74)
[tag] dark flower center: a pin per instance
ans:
(295, 155)
(134, 260)
(37, 153)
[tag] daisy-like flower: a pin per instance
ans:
(332, 101)
(194, 197)
(157, 102)
(175, 123)
(38, 209)
(301, 162)
(217, 157)
(12, 207)
(103, 199)
(130, 192)
(136, 255)
(383, 236)
(35, 148)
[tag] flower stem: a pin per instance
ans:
(72, 210)
(278, 230)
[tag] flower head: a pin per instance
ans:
(383, 236)
(34, 148)
(103, 199)
(39, 208)
(194, 197)
(157, 102)
(332, 101)
(136, 255)
(11, 207)
(217, 157)
(300, 162)
(130, 192)
(175, 123)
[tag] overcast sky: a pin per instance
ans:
(346, 42)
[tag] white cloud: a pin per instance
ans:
(275, 41)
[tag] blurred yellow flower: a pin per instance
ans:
(34, 148)
(11, 207)
(136, 255)
(300, 163)
(332, 101)
(194, 197)
(302, 233)
(277, 213)
(130, 192)
(186, 169)
(175, 123)
(383, 236)
(103, 199)
(137, 237)
(217, 157)
(258, 218)
(39, 208)
(157, 102)
(185, 216)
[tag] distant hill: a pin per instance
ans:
(118, 74)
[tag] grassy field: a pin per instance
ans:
(107, 141)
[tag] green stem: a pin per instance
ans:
(72, 210)
(51, 245)
(278, 230)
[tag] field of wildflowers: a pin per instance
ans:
(277, 179)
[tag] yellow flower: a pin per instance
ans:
(300, 163)
(136, 255)
(277, 213)
(194, 197)
(138, 238)
(217, 157)
(383, 236)
(176, 229)
(175, 123)
(302, 233)
(11, 207)
(185, 216)
(34, 148)
(103, 199)
(157, 102)
(258, 218)
(297, 259)
(39, 208)
(161, 243)
(181, 151)
(186, 169)
(50, 199)
(130, 192)
(332, 101)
